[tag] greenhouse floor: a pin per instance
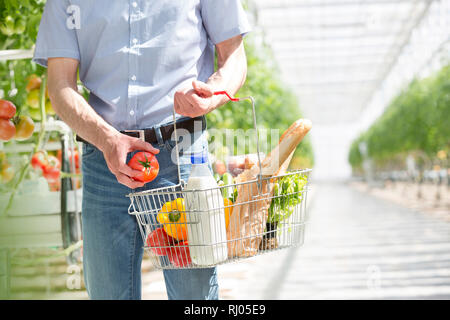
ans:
(434, 199)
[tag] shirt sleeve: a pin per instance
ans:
(57, 33)
(224, 19)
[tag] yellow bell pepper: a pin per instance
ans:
(173, 218)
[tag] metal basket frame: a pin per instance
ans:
(199, 252)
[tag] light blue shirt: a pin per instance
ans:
(134, 54)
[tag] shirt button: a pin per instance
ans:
(131, 113)
(133, 78)
(135, 4)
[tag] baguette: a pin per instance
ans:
(288, 142)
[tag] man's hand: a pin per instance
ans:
(194, 101)
(115, 151)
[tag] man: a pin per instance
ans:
(139, 59)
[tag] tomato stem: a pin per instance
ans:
(146, 164)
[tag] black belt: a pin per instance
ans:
(149, 135)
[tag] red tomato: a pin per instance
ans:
(7, 109)
(39, 161)
(179, 255)
(51, 173)
(7, 130)
(159, 241)
(146, 163)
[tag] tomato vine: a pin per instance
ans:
(416, 122)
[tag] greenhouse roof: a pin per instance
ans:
(336, 54)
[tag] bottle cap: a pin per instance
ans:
(200, 157)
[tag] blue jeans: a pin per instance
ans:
(112, 243)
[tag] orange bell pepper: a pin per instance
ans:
(228, 210)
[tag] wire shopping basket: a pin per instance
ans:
(184, 228)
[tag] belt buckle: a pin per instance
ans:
(140, 132)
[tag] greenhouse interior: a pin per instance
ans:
(373, 174)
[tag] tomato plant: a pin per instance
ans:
(50, 167)
(19, 23)
(7, 26)
(146, 163)
(416, 121)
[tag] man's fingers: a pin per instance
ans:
(196, 105)
(140, 145)
(202, 89)
(193, 99)
(127, 181)
(128, 171)
(185, 109)
(118, 166)
(198, 102)
(192, 103)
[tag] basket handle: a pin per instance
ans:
(226, 93)
(252, 100)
